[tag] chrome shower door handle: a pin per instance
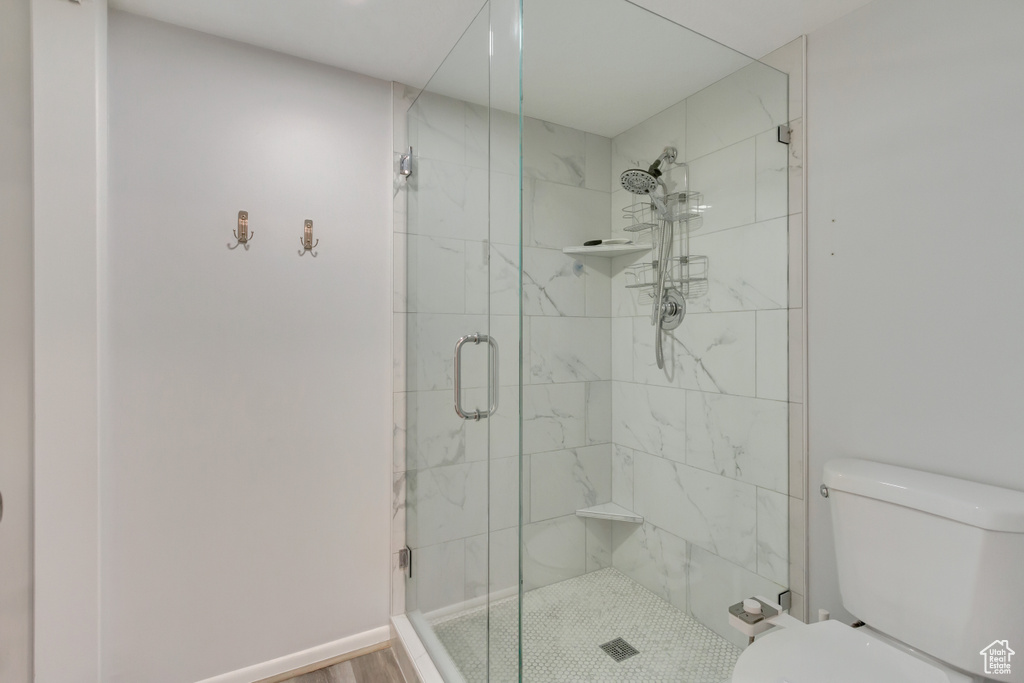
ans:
(492, 387)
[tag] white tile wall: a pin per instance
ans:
(773, 536)
(553, 550)
(554, 417)
(565, 481)
(570, 349)
(738, 107)
(554, 153)
(738, 437)
(746, 268)
(726, 440)
(557, 215)
(599, 412)
(716, 583)
(714, 512)
(726, 177)
(654, 558)
(599, 543)
(649, 418)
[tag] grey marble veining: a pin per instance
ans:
(599, 412)
(446, 503)
(553, 153)
(713, 512)
(570, 349)
(436, 436)
(654, 558)
(554, 417)
(738, 437)
(450, 200)
(622, 476)
(747, 102)
(565, 481)
(434, 274)
(437, 126)
(552, 286)
(710, 352)
(747, 267)
(650, 419)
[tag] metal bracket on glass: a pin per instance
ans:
(405, 560)
(405, 164)
(785, 134)
(785, 600)
(492, 381)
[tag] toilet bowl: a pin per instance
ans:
(834, 652)
(931, 563)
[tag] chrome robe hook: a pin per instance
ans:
(242, 235)
(307, 240)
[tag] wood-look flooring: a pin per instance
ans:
(375, 667)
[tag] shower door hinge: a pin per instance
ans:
(785, 134)
(405, 164)
(785, 600)
(405, 560)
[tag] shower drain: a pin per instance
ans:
(619, 649)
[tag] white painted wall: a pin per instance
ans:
(16, 342)
(916, 163)
(246, 405)
(69, 65)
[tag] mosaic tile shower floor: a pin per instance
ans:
(564, 625)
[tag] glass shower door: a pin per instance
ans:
(462, 356)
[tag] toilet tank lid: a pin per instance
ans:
(979, 505)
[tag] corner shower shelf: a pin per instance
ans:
(607, 250)
(610, 511)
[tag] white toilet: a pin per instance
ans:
(933, 565)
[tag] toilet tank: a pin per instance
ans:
(932, 561)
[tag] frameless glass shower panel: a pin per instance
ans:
(655, 494)
(462, 354)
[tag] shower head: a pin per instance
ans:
(638, 181)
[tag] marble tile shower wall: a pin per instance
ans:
(700, 452)
(702, 449)
(450, 271)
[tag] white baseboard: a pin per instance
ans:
(298, 660)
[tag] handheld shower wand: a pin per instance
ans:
(669, 307)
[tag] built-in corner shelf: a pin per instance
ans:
(610, 511)
(607, 250)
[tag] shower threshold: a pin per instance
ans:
(565, 624)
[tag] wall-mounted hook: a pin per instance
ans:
(242, 234)
(307, 239)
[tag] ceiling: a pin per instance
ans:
(582, 68)
(406, 40)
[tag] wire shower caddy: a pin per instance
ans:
(687, 273)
